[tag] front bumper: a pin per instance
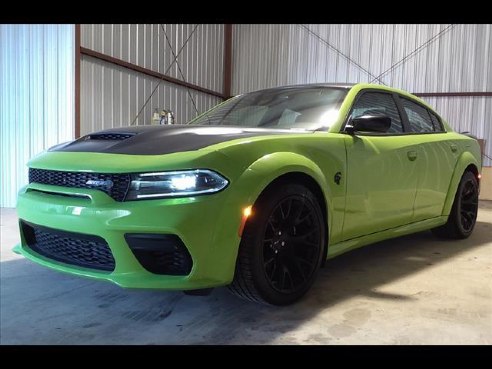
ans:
(207, 225)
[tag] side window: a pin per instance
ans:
(378, 103)
(418, 117)
(436, 122)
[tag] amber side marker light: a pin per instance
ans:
(247, 212)
(479, 176)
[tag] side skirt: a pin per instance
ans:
(354, 243)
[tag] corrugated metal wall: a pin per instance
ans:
(37, 74)
(472, 114)
(416, 58)
(111, 96)
(36, 97)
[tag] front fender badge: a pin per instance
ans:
(338, 177)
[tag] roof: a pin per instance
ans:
(348, 86)
(308, 85)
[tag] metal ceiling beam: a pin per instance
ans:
(453, 94)
(148, 72)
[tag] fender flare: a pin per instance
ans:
(246, 190)
(466, 159)
(266, 169)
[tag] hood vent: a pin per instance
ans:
(110, 136)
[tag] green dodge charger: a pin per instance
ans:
(255, 193)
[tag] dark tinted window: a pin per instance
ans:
(374, 103)
(418, 117)
(436, 122)
(283, 108)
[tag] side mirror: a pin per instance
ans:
(369, 123)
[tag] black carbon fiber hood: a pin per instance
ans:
(159, 140)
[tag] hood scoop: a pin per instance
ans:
(110, 136)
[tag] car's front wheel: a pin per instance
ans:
(463, 216)
(282, 246)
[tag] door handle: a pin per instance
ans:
(412, 155)
(454, 148)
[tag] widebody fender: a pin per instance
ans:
(466, 159)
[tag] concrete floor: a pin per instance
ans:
(411, 290)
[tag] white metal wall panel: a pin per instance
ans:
(416, 58)
(468, 114)
(145, 45)
(427, 57)
(113, 95)
(36, 97)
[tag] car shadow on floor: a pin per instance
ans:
(41, 306)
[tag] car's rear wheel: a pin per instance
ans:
(281, 248)
(463, 214)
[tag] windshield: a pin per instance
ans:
(306, 108)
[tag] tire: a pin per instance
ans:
(282, 246)
(463, 214)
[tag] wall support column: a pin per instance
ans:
(227, 90)
(77, 81)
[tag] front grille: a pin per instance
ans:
(67, 247)
(115, 185)
(111, 136)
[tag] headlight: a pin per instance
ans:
(175, 184)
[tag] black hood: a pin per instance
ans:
(158, 140)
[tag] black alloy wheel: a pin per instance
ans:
(463, 216)
(468, 205)
(291, 244)
(282, 246)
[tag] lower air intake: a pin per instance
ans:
(160, 253)
(67, 247)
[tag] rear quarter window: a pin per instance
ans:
(436, 122)
(419, 118)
